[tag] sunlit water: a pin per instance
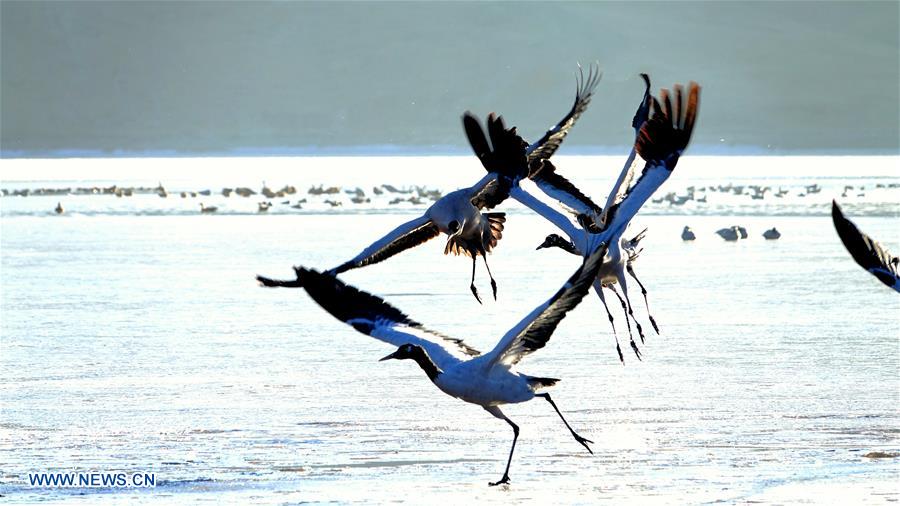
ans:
(135, 338)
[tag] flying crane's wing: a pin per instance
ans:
(867, 252)
(372, 316)
(544, 147)
(402, 238)
(533, 332)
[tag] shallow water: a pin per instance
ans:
(141, 342)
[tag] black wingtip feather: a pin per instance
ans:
(868, 253)
(271, 283)
(566, 299)
(584, 91)
(545, 171)
(504, 155)
(668, 131)
(346, 302)
(477, 140)
(851, 236)
(643, 111)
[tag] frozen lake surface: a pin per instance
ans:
(135, 338)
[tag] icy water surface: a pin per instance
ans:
(139, 341)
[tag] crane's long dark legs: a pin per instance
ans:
(598, 287)
(624, 285)
(634, 347)
(472, 285)
(493, 283)
(494, 410)
(644, 293)
(578, 438)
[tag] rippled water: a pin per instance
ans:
(139, 341)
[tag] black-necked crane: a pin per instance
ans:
(487, 380)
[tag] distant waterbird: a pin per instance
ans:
(729, 234)
(455, 368)
(59, 208)
(867, 252)
(772, 234)
(207, 209)
(687, 234)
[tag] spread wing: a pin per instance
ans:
(478, 141)
(372, 316)
(408, 235)
(504, 155)
(533, 332)
(558, 187)
(867, 252)
(667, 133)
(504, 159)
(490, 192)
(626, 177)
(507, 158)
(546, 177)
(506, 145)
(660, 143)
(548, 144)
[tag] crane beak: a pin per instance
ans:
(388, 357)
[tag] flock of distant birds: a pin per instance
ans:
(732, 233)
(757, 192)
(416, 196)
